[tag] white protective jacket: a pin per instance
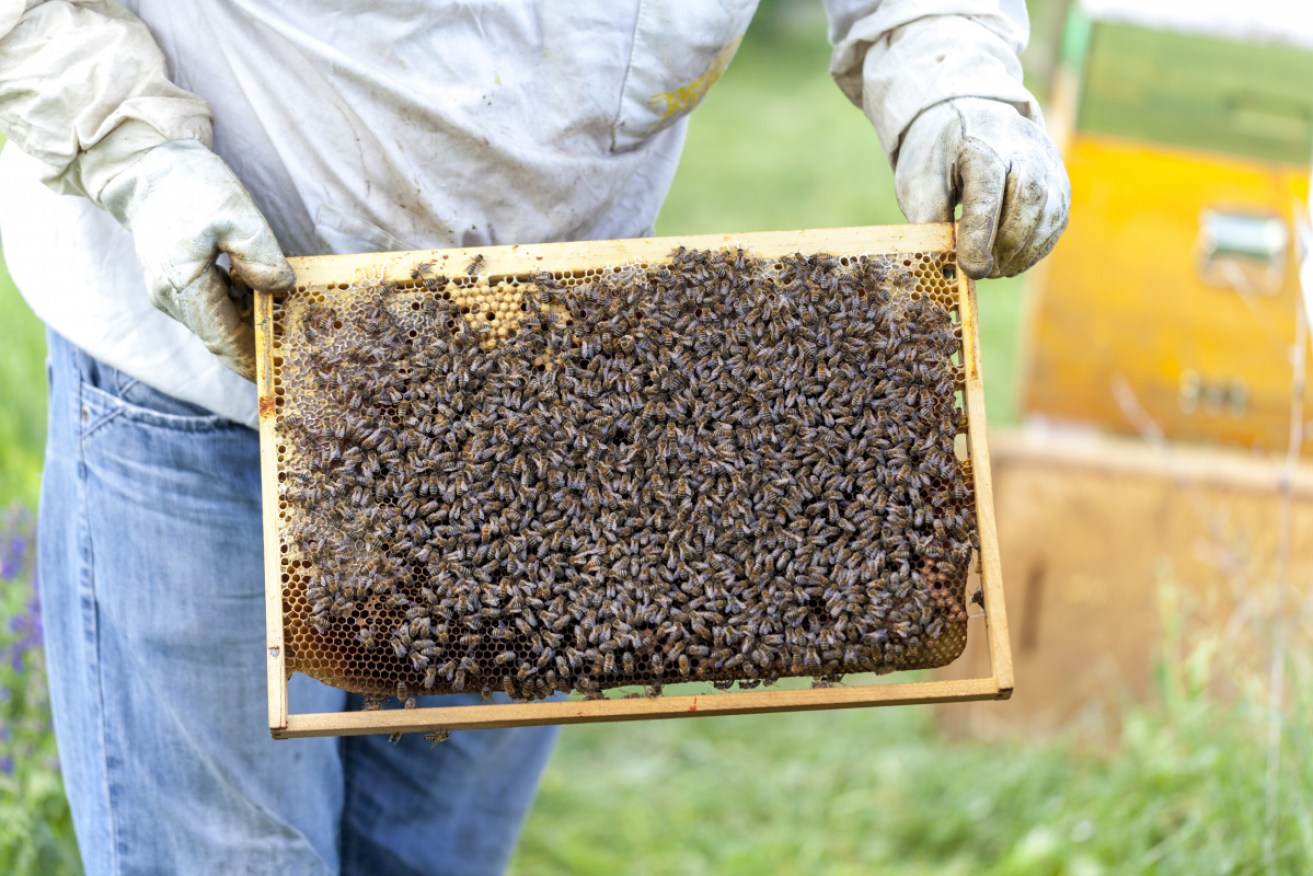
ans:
(391, 125)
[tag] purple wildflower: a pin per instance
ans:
(15, 543)
(12, 556)
(15, 550)
(30, 633)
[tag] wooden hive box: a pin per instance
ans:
(1175, 284)
(389, 616)
(1113, 544)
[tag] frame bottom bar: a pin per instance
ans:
(636, 708)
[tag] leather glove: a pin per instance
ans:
(184, 207)
(1004, 170)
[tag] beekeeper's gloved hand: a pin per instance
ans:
(184, 207)
(84, 89)
(1004, 170)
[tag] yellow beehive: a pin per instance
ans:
(1173, 292)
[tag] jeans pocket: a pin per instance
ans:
(108, 394)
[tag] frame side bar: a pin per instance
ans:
(276, 667)
(996, 621)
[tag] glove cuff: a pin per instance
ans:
(105, 163)
(132, 168)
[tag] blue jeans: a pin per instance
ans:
(153, 596)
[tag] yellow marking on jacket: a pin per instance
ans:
(683, 98)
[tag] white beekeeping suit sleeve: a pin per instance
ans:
(84, 89)
(941, 82)
(82, 76)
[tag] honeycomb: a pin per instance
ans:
(714, 468)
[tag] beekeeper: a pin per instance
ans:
(190, 134)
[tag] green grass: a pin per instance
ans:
(22, 398)
(36, 829)
(881, 791)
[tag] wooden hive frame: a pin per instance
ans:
(330, 271)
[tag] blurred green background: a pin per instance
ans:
(1180, 790)
(22, 397)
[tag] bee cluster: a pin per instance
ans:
(719, 469)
